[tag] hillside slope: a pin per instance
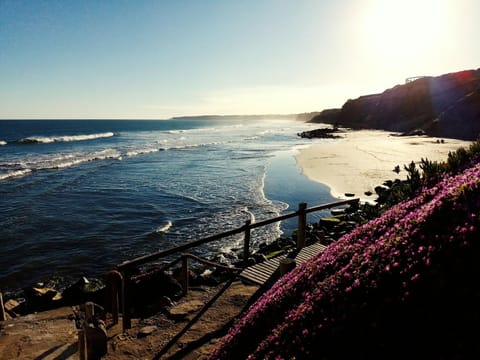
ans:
(442, 106)
(404, 285)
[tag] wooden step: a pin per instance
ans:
(261, 272)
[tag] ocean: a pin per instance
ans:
(80, 196)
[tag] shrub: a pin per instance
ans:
(414, 179)
(432, 171)
(457, 159)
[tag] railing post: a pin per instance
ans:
(94, 334)
(302, 225)
(114, 293)
(246, 242)
(2, 309)
(126, 321)
(82, 345)
(89, 312)
(185, 274)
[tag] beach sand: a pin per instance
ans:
(364, 159)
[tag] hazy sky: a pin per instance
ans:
(156, 59)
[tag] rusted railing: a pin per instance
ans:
(121, 276)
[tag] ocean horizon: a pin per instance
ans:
(81, 196)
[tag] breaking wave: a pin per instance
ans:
(142, 151)
(26, 166)
(15, 173)
(66, 138)
(52, 162)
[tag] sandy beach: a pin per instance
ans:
(366, 158)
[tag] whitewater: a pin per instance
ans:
(80, 196)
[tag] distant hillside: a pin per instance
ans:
(305, 117)
(242, 117)
(442, 106)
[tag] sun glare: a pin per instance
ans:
(398, 30)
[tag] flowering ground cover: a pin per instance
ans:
(405, 285)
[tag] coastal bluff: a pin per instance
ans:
(441, 106)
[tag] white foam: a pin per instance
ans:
(52, 139)
(16, 173)
(264, 132)
(68, 160)
(107, 154)
(57, 161)
(189, 146)
(164, 228)
(141, 151)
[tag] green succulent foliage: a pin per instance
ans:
(432, 170)
(458, 158)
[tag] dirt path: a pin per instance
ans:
(46, 335)
(51, 335)
(197, 342)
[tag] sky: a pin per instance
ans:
(139, 59)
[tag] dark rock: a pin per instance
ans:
(259, 258)
(388, 183)
(153, 306)
(146, 331)
(40, 299)
(383, 193)
(152, 290)
(84, 290)
(329, 222)
(324, 133)
(251, 261)
(10, 305)
(206, 278)
(351, 209)
(156, 282)
(415, 132)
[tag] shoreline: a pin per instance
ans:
(364, 159)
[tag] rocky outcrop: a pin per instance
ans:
(442, 106)
(324, 133)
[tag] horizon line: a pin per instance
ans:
(168, 118)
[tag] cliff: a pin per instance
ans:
(441, 106)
